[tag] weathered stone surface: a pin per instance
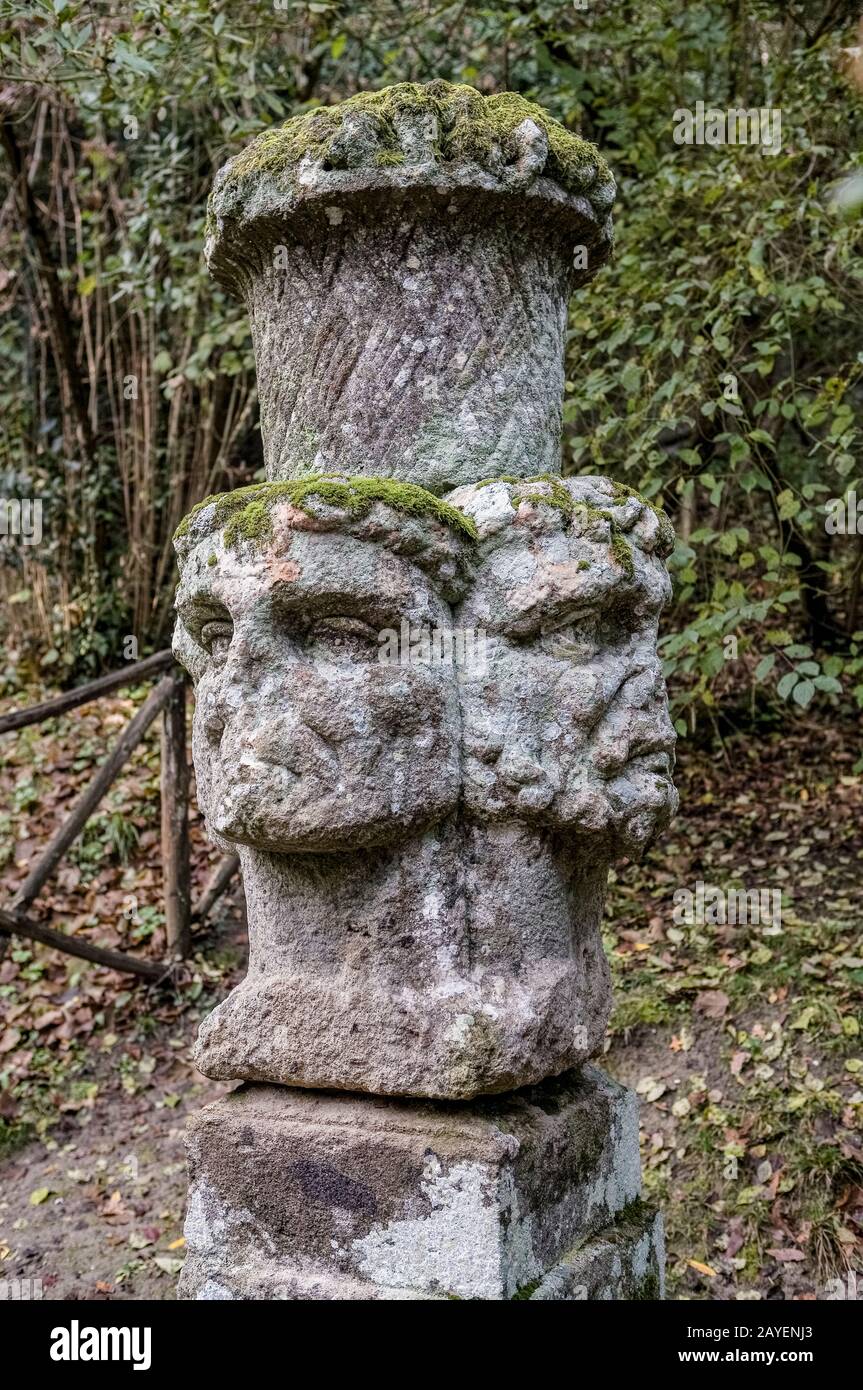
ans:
(425, 839)
(624, 1262)
(302, 1195)
(411, 258)
(425, 845)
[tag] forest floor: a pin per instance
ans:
(743, 1041)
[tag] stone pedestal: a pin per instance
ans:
(429, 715)
(311, 1195)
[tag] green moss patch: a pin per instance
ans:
(560, 497)
(469, 127)
(246, 513)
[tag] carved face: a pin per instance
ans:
(569, 725)
(303, 740)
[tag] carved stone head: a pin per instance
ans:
(303, 739)
(306, 740)
(568, 729)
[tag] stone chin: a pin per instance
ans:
(643, 808)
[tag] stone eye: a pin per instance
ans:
(344, 636)
(216, 638)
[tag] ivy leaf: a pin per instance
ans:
(802, 693)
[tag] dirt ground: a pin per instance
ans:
(110, 1222)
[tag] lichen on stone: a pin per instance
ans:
(469, 126)
(246, 513)
(558, 496)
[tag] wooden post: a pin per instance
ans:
(89, 800)
(17, 924)
(215, 886)
(175, 824)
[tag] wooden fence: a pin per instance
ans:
(168, 699)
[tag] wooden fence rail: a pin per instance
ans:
(168, 699)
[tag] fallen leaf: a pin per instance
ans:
(650, 1088)
(701, 1268)
(40, 1195)
(712, 1003)
(804, 1020)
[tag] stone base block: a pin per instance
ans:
(314, 1195)
(626, 1261)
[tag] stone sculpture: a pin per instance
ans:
(425, 838)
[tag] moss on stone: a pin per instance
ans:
(387, 157)
(635, 1214)
(246, 513)
(666, 530)
(526, 1291)
(504, 478)
(212, 560)
(469, 127)
(648, 1290)
(560, 497)
(622, 551)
